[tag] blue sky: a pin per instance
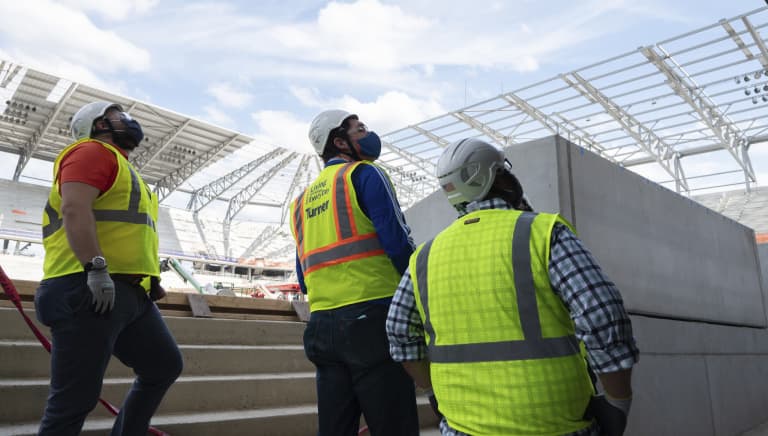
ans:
(266, 68)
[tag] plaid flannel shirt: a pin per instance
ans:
(593, 301)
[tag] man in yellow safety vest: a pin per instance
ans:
(352, 246)
(492, 311)
(101, 266)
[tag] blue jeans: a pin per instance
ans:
(84, 341)
(355, 373)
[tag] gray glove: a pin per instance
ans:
(103, 290)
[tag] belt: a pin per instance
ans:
(131, 279)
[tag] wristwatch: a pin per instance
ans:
(98, 262)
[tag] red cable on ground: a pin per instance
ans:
(363, 430)
(13, 295)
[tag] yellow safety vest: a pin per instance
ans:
(338, 248)
(504, 358)
(125, 224)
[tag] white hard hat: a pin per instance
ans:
(467, 168)
(82, 121)
(322, 126)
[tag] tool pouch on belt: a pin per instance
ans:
(611, 420)
(156, 291)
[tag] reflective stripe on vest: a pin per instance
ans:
(131, 215)
(534, 346)
(349, 246)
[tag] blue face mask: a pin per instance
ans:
(129, 137)
(370, 145)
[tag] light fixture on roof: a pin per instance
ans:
(757, 90)
(747, 91)
(746, 78)
(765, 98)
(754, 100)
(757, 74)
(738, 80)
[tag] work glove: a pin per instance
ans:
(102, 289)
(610, 414)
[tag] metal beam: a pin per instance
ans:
(7, 73)
(285, 249)
(737, 39)
(646, 138)
(488, 131)
(149, 154)
(165, 186)
(300, 171)
(239, 201)
(260, 240)
(685, 87)
(29, 148)
(442, 142)
(204, 195)
(201, 232)
(759, 41)
(552, 125)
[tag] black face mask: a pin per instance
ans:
(127, 139)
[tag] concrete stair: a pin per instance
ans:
(241, 377)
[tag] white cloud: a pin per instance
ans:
(282, 129)
(227, 96)
(66, 42)
(389, 111)
(217, 116)
(116, 10)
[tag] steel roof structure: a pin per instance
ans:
(668, 106)
(36, 112)
(684, 112)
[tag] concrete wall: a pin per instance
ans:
(671, 258)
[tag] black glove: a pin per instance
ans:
(611, 415)
(156, 291)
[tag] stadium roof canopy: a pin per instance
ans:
(36, 110)
(667, 110)
(683, 112)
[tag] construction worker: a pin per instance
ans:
(101, 262)
(352, 247)
(491, 311)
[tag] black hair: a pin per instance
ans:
(330, 150)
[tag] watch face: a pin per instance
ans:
(98, 262)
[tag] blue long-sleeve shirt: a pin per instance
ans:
(378, 201)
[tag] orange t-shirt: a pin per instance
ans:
(90, 163)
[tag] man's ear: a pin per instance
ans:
(341, 144)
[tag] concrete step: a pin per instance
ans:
(298, 420)
(187, 395)
(185, 330)
(28, 359)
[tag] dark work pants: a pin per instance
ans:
(84, 341)
(355, 373)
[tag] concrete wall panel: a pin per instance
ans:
(669, 255)
(739, 392)
(671, 397)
